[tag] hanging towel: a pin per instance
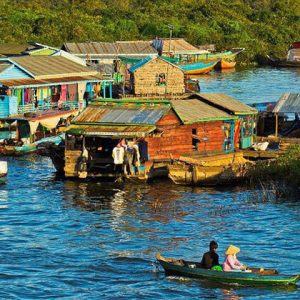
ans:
(81, 90)
(72, 92)
(26, 95)
(63, 94)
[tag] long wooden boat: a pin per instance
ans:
(230, 55)
(282, 63)
(250, 277)
(11, 150)
(197, 68)
(225, 63)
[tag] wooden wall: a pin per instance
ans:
(173, 140)
(144, 79)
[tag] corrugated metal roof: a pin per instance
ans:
(14, 49)
(179, 46)
(4, 67)
(42, 67)
(121, 115)
(135, 47)
(116, 131)
(227, 102)
(113, 49)
(50, 81)
(91, 48)
(288, 103)
(193, 111)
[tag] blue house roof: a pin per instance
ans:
(141, 63)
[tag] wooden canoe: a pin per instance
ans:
(251, 277)
(197, 68)
(206, 57)
(282, 63)
(225, 64)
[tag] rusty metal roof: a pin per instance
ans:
(135, 47)
(193, 111)
(50, 81)
(112, 131)
(4, 66)
(226, 102)
(91, 48)
(179, 46)
(43, 67)
(120, 115)
(14, 49)
(111, 49)
(288, 103)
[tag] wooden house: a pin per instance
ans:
(156, 76)
(244, 130)
(164, 131)
(35, 83)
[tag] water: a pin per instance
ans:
(88, 240)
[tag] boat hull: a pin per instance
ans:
(243, 278)
(197, 68)
(225, 64)
(282, 63)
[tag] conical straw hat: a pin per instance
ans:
(231, 250)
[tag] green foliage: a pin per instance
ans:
(261, 26)
(286, 168)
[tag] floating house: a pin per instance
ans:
(156, 76)
(163, 130)
(104, 55)
(177, 48)
(34, 83)
(244, 128)
(36, 92)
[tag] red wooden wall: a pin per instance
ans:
(173, 139)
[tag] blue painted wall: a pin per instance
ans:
(13, 73)
(8, 106)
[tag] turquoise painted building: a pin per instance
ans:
(39, 83)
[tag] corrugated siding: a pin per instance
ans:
(288, 103)
(142, 115)
(193, 110)
(227, 102)
(13, 73)
(135, 47)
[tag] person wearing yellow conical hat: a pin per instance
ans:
(231, 263)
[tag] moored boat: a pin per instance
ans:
(225, 63)
(197, 68)
(248, 277)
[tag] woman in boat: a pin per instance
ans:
(231, 263)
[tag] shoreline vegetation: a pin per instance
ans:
(279, 177)
(262, 27)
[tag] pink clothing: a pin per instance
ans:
(231, 263)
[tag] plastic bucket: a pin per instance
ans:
(3, 167)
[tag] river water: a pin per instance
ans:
(89, 240)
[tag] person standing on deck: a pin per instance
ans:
(118, 156)
(210, 258)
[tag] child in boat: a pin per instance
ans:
(231, 263)
(210, 258)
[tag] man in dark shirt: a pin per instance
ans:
(210, 258)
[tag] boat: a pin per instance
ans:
(213, 56)
(253, 276)
(16, 150)
(3, 171)
(282, 63)
(197, 68)
(225, 63)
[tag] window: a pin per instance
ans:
(160, 79)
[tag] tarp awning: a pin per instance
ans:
(288, 103)
(110, 131)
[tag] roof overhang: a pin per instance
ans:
(110, 131)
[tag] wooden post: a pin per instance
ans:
(276, 124)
